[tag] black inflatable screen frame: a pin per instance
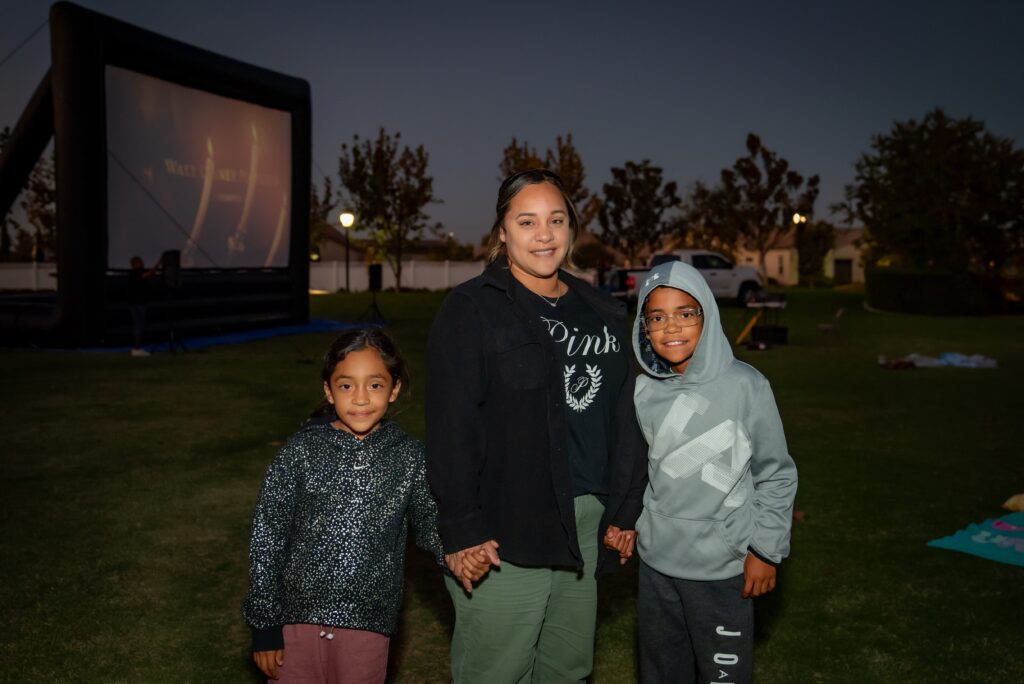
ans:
(83, 44)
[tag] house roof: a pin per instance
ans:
(849, 236)
(843, 237)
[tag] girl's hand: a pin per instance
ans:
(758, 577)
(469, 565)
(622, 541)
(269, 661)
(475, 564)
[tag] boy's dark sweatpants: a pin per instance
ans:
(694, 631)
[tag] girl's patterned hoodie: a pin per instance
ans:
(329, 530)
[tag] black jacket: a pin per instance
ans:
(497, 454)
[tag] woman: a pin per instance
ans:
(533, 450)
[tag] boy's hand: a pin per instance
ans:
(758, 577)
(269, 661)
(620, 540)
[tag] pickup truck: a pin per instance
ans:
(727, 281)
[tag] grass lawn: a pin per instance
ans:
(127, 487)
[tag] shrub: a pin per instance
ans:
(940, 293)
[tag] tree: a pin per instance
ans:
(39, 207)
(321, 212)
(9, 224)
(592, 255)
(448, 248)
(565, 161)
(814, 240)
(633, 212)
(516, 158)
(388, 188)
(700, 226)
(940, 193)
(755, 200)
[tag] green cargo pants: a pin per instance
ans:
(529, 625)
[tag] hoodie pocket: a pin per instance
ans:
(692, 549)
(735, 531)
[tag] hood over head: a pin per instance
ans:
(713, 354)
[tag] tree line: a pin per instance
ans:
(38, 240)
(937, 193)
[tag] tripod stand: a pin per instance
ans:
(170, 262)
(373, 313)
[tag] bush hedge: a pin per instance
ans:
(935, 293)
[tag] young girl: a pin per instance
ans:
(328, 534)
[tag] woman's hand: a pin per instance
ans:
(269, 661)
(471, 564)
(622, 541)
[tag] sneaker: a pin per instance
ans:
(140, 352)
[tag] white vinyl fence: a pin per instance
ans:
(28, 276)
(324, 275)
(416, 275)
(425, 275)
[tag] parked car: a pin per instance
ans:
(726, 280)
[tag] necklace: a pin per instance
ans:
(547, 300)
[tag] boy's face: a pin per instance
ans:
(683, 322)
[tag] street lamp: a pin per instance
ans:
(347, 220)
(799, 218)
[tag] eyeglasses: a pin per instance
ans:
(684, 318)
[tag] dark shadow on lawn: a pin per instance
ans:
(424, 583)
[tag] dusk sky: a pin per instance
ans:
(678, 83)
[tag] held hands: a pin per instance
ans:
(758, 577)
(469, 565)
(620, 540)
(269, 661)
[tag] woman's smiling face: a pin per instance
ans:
(536, 232)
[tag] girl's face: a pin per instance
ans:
(536, 232)
(361, 389)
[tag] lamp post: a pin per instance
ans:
(347, 220)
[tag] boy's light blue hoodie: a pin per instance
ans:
(722, 481)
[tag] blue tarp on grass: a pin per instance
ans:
(317, 325)
(999, 539)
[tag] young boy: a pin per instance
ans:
(718, 509)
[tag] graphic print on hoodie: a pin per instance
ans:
(721, 477)
(593, 368)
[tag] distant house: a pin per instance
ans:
(844, 263)
(781, 263)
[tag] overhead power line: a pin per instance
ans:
(23, 43)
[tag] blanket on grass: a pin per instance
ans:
(998, 539)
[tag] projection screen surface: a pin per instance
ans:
(196, 172)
